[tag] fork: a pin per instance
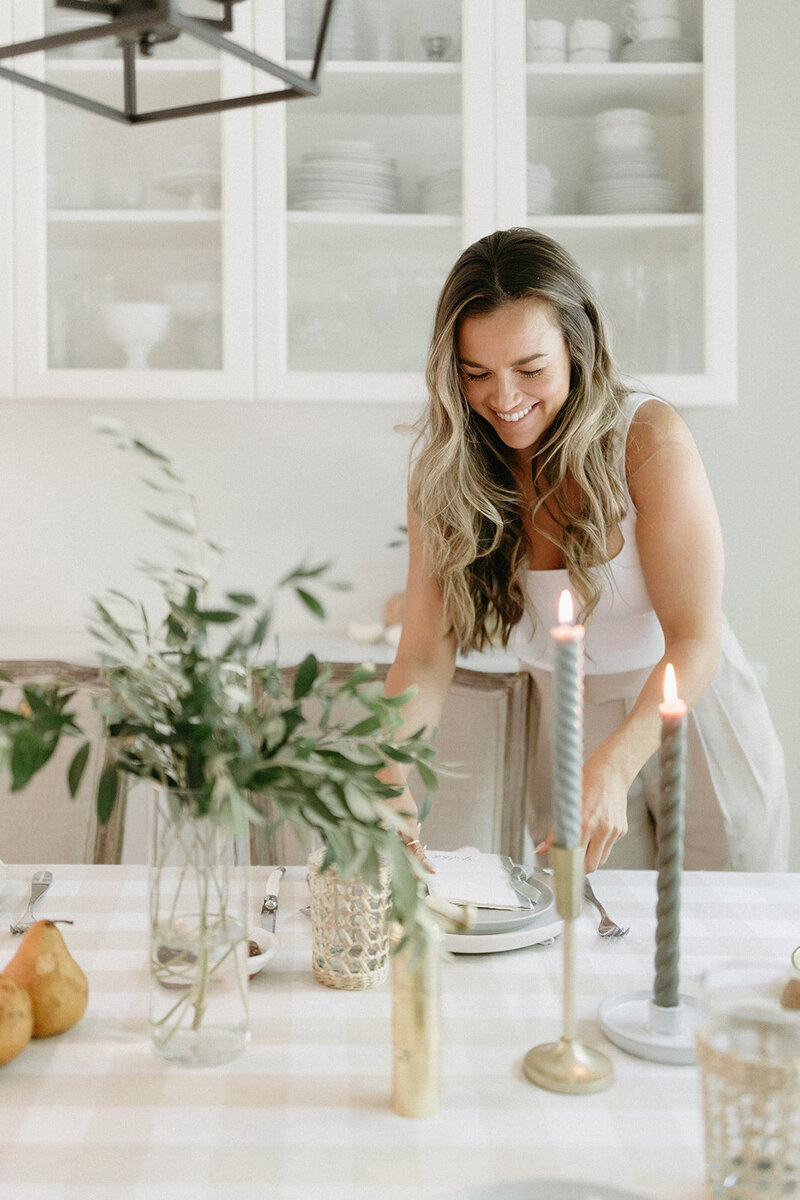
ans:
(39, 885)
(607, 927)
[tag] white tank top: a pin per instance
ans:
(624, 633)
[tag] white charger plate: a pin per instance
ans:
(540, 929)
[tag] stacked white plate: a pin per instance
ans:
(679, 49)
(345, 176)
(626, 174)
(440, 191)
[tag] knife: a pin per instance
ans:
(269, 909)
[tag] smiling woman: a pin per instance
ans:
(539, 467)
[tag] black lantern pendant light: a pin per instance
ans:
(137, 26)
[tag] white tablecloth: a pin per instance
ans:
(306, 1111)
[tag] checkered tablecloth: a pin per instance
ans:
(306, 1111)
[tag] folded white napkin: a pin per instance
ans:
(469, 877)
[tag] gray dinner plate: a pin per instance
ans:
(504, 920)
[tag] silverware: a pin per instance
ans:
(269, 909)
(607, 927)
(39, 885)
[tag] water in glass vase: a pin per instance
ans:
(198, 997)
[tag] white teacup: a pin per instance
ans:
(643, 10)
(649, 28)
(586, 34)
(547, 41)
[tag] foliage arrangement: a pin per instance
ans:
(193, 703)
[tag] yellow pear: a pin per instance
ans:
(58, 988)
(16, 1018)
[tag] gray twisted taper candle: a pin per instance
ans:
(568, 738)
(669, 858)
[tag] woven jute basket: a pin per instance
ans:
(349, 927)
(752, 1119)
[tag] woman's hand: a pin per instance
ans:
(605, 810)
(414, 844)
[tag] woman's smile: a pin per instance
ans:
(516, 416)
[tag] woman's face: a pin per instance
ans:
(515, 371)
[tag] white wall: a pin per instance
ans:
(280, 481)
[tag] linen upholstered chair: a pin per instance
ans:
(43, 823)
(483, 735)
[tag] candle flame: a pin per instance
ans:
(670, 685)
(565, 610)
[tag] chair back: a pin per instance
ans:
(483, 736)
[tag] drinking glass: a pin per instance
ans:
(748, 1048)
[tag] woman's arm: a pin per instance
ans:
(425, 659)
(680, 547)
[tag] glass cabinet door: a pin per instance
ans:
(378, 195)
(624, 154)
(137, 233)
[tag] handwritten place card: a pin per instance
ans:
(469, 877)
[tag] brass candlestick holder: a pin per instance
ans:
(567, 1065)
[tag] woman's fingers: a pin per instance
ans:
(418, 850)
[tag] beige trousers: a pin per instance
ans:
(737, 809)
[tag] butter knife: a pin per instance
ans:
(269, 909)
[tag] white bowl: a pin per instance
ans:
(268, 944)
(137, 321)
(138, 327)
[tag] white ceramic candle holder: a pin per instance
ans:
(634, 1022)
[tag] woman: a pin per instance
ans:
(537, 468)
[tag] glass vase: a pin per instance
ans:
(198, 933)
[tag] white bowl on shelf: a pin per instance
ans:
(138, 327)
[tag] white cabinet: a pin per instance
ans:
(132, 244)
(300, 246)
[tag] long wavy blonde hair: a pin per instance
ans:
(462, 488)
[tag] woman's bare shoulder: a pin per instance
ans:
(655, 425)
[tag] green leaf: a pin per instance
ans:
(217, 616)
(77, 767)
(427, 776)
(304, 572)
(306, 674)
(311, 602)
(358, 803)
(143, 448)
(29, 753)
(243, 599)
(367, 726)
(107, 793)
(397, 755)
(175, 523)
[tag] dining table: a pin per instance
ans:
(306, 1111)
